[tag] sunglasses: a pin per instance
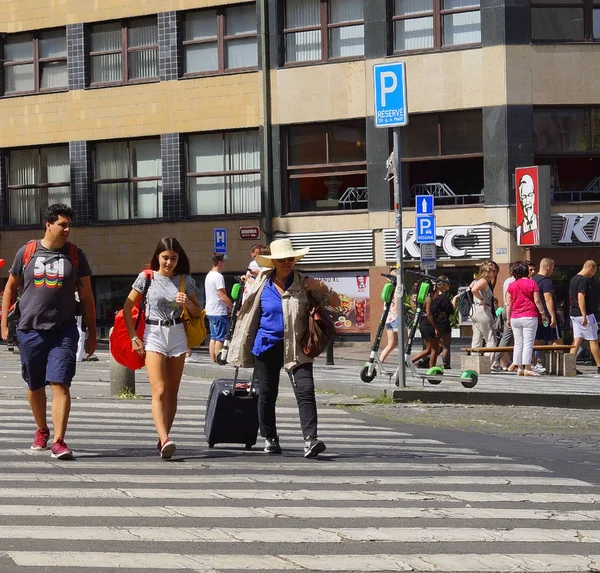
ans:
(288, 260)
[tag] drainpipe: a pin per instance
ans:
(267, 182)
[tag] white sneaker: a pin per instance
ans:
(539, 368)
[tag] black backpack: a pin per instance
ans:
(465, 303)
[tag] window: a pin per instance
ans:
(443, 154)
(325, 163)
(35, 62)
(37, 177)
(321, 30)
(563, 130)
(435, 24)
(128, 179)
(224, 173)
(565, 20)
(452, 133)
(220, 39)
(122, 52)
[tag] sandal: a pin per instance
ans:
(520, 372)
(531, 373)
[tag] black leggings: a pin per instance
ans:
(268, 369)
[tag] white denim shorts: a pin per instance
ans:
(170, 341)
(587, 332)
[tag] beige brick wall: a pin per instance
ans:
(126, 249)
(200, 104)
(22, 15)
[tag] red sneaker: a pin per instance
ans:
(60, 451)
(40, 442)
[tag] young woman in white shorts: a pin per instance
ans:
(165, 343)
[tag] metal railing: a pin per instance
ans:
(444, 195)
(354, 195)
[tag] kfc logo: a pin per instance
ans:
(361, 283)
(527, 185)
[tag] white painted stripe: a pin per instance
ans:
(301, 512)
(142, 437)
(225, 465)
(150, 442)
(313, 494)
(300, 534)
(450, 563)
(374, 480)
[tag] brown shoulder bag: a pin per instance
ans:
(321, 330)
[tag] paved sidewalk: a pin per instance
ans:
(342, 382)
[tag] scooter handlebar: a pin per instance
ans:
(392, 278)
(429, 277)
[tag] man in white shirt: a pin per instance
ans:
(218, 305)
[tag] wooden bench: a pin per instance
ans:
(556, 358)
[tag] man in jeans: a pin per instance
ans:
(583, 320)
(52, 270)
(218, 305)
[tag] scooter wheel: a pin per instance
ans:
(221, 361)
(469, 378)
(434, 372)
(365, 376)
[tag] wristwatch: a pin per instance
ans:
(134, 339)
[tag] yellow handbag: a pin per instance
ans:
(195, 329)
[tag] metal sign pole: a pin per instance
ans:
(401, 380)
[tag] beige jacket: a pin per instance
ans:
(295, 319)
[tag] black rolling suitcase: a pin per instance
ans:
(232, 412)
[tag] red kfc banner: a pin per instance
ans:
(528, 206)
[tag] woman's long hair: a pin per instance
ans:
(484, 271)
(171, 244)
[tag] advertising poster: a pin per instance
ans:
(528, 206)
(353, 287)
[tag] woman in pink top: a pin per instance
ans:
(523, 307)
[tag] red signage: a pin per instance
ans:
(249, 233)
(528, 206)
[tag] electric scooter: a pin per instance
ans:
(236, 297)
(435, 374)
(373, 365)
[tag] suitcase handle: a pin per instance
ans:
(235, 387)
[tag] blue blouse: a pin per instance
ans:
(271, 328)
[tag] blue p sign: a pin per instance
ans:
(390, 95)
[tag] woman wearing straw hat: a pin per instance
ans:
(271, 324)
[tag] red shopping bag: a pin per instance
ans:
(120, 341)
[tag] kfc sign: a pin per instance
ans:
(527, 186)
(532, 185)
(452, 243)
(578, 228)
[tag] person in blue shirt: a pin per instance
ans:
(271, 324)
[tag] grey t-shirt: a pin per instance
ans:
(160, 300)
(49, 284)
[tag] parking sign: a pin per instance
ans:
(390, 95)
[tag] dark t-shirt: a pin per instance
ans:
(545, 285)
(442, 310)
(48, 295)
(581, 284)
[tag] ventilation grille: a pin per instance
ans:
(334, 247)
(453, 243)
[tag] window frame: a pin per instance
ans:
(37, 63)
(437, 13)
(124, 51)
(329, 168)
(221, 41)
(128, 180)
(37, 186)
(189, 175)
(587, 6)
(439, 119)
(325, 27)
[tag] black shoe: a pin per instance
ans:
(423, 363)
(272, 446)
(447, 367)
(313, 447)
(578, 373)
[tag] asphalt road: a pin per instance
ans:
(399, 488)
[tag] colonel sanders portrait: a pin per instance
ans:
(527, 230)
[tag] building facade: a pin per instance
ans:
(186, 117)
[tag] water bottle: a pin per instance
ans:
(545, 323)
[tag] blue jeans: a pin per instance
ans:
(218, 327)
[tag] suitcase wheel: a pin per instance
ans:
(248, 446)
(211, 445)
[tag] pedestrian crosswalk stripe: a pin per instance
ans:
(295, 535)
(375, 480)
(299, 495)
(301, 512)
(447, 562)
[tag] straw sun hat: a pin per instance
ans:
(280, 249)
